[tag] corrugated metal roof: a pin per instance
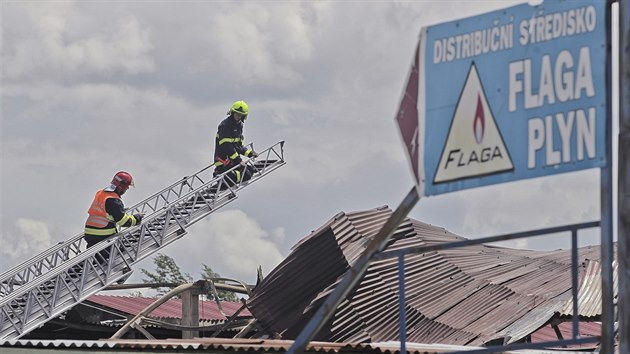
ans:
(234, 345)
(590, 291)
(585, 329)
(463, 296)
(222, 344)
(171, 309)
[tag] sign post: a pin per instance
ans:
(623, 182)
(521, 93)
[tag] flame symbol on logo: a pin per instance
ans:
(479, 124)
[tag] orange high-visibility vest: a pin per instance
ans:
(97, 214)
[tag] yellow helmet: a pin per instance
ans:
(239, 107)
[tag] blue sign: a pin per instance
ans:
(513, 94)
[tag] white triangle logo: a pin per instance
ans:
(474, 146)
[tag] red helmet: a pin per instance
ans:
(122, 180)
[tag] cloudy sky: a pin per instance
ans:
(93, 87)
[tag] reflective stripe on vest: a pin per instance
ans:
(228, 140)
(100, 232)
(97, 221)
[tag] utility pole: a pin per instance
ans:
(623, 181)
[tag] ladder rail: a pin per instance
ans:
(63, 251)
(64, 272)
(46, 297)
(36, 297)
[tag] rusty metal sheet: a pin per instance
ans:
(133, 305)
(465, 296)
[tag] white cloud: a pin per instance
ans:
(231, 243)
(29, 238)
(35, 233)
(51, 44)
(278, 236)
(92, 87)
(259, 44)
(527, 205)
(531, 204)
(126, 49)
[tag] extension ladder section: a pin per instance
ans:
(45, 286)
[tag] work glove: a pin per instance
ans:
(139, 218)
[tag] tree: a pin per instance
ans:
(224, 295)
(166, 271)
(136, 293)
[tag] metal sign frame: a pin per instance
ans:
(516, 93)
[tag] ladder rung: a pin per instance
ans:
(81, 274)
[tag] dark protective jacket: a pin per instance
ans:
(229, 145)
(107, 213)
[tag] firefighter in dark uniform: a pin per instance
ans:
(107, 212)
(229, 146)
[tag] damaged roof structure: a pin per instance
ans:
(473, 295)
(100, 316)
(457, 297)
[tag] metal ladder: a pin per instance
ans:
(61, 277)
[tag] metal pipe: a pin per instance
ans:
(478, 241)
(518, 346)
(623, 179)
(574, 283)
(219, 286)
(402, 316)
(606, 197)
(178, 290)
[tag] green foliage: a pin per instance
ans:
(224, 295)
(166, 271)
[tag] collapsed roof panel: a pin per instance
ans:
(464, 296)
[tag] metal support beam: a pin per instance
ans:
(402, 308)
(606, 210)
(482, 240)
(558, 333)
(574, 283)
(132, 322)
(623, 181)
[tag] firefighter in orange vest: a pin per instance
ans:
(107, 212)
